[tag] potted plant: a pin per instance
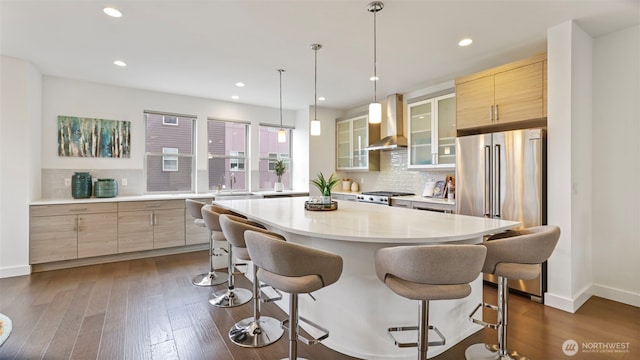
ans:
(325, 186)
(279, 167)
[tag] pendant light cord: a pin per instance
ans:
(315, 82)
(280, 71)
(375, 59)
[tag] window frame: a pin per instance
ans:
(172, 157)
(190, 157)
(243, 161)
(287, 157)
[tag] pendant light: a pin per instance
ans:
(375, 108)
(315, 123)
(282, 135)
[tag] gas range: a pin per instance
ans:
(380, 197)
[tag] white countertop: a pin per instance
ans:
(177, 196)
(410, 198)
(363, 222)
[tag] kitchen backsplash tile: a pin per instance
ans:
(53, 181)
(394, 175)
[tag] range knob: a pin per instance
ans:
(370, 199)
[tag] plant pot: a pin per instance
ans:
(278, 187)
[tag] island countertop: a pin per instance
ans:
(363, 222)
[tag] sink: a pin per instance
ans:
(236, 195)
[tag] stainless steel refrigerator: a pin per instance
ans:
(503, 175)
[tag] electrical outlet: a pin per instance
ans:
(124, 181)
(361, 180)
(67, 182)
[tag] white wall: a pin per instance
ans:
(78, 98)
(568, 164)
(616, 170)
(322, 149)
(593, 121)
(19, 160)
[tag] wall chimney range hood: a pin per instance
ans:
(392, 126)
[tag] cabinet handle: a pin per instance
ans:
(150, 219)
(75, 225)
(77, 210)
(491, 113)
(155, 219)
(153, 206)
(497, 116)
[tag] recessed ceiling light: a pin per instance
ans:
(112, 12)
(374, 78)
(120, 63)
(465, 42)
(235, 97)
(322, 98)
(240, 84)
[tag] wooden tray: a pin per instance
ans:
(321, 207)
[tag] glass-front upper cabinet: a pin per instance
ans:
(352, 137)
(432, 133)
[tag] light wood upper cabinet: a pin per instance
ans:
(506, 94)
(518, 94)
(474, 103)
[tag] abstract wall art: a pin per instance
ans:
(87, 137)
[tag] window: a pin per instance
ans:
(169, 159)
(270, 151)
(169, 162)
(169, 120)
(227, 151)
(236, 162)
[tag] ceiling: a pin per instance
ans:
(202, 48)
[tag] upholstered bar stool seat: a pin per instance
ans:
(426, 273)
(295, 269)
(232, 296)
(512, 255)
(210, 278)
(255, 331)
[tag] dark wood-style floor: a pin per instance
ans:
(148, 309)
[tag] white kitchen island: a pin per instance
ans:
(359, 308)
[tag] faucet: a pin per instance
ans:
(232, 179)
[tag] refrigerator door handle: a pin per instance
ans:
(487, 181)
(496, 181)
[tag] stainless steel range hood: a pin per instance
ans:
(392, 126)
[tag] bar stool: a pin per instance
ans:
(255, 331)
(425, 273)
(295, 269)
(513, 255)
(212, 277)
(232, 296)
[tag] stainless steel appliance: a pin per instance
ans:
(380, 197)
(503, 175)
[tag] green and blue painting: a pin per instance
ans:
(87, 137)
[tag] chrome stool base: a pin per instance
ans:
(210, 279)
(230, 297)
(490, 352)
(253, 334)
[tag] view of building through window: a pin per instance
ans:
(226, 150)
(270, 151)
(169, 152)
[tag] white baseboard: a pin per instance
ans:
(623, 296)
(567, 304)
(15, 271)
(572, 305)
